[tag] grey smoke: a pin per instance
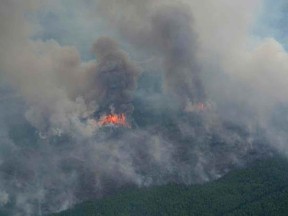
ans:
(174, 36)
(115, 78)
(167, 33)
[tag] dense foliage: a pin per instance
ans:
(261, 189)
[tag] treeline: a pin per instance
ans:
(259, 190)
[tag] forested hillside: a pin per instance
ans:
(261, 189)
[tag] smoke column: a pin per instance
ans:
(167, 33)
(115, 77)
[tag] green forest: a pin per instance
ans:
(261, 189)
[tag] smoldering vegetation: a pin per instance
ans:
(53, 152)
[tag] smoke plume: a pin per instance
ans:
(168, 34)
(114, 81)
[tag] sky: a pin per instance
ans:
(72, 24)
(75, 24)
(272, 20)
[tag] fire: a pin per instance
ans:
(197, 107)
(200, 107)
(114, 119)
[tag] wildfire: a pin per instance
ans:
(114, 119)
(198, 107)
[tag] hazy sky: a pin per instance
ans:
(73, 23)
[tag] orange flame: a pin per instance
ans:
(114, 119)
(200, 107)
(197, 107)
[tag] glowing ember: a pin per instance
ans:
(197, 107)
(114, 119)
(200, 107)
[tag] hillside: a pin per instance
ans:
(261, 189)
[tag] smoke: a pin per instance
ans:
(115, 79)
(53, 155)
(172, 31)
(167, 32)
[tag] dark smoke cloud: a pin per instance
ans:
(174, 36)
(166, 32)
(114, 81)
